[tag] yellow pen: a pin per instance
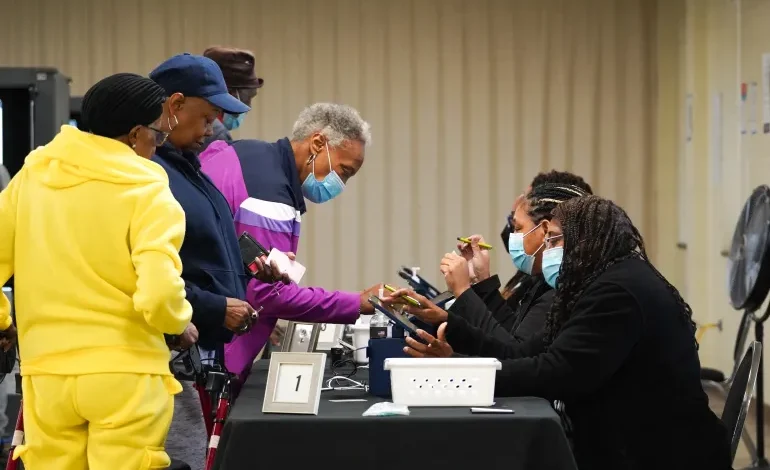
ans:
(481, 245)
(409, 299)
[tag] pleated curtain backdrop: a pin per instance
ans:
(468, 100)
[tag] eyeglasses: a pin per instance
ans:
(551, 242)
(160, 136)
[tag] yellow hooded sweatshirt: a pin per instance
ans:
(91, 233)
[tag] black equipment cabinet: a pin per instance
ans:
(36, 103)
(76, 110)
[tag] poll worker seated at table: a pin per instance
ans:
(618, 348)
(266, 184)
(526, 244)
(92, 233)
(519, 285)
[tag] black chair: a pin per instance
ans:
(741, 392)
(716, 379)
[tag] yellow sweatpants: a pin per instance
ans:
(96, 422)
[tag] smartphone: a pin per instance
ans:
(443, 298)
(399, 318)
(251, 250)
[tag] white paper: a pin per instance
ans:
(491, 410)
(716, 139)
(752, 98)
(688, 117)
(682, 186)
(286, 266)
(766, 93)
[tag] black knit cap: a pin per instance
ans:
(120, 102)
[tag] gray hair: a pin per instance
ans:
(337, 122)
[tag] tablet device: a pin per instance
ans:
(398, 318)
(444, 297)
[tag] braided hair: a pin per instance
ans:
(597, 234)
(543, 199)
(540, 202)
(120, 102)
(561, 177)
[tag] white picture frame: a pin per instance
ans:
(301, 337)
(329, 336)
(294, 383)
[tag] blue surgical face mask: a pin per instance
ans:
(552, 264)
(521, 259)
(233, 122)
(325, 190)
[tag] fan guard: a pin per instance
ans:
(749, 263)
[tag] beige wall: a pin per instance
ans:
(723, 45)
(468, 100)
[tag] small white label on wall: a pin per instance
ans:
(688, 117)
(744, 95)
(716, 139)
(752, 118)
(766, 93)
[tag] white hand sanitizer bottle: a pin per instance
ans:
(378, 326)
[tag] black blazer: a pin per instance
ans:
(626, 366)
(485, 308)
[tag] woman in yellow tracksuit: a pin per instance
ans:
(91, 232)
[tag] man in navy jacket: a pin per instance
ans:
(213, 271)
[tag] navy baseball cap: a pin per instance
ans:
(197, 76)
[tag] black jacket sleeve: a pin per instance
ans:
(208, 308)
(489, 291)
(605, 325)
(472, 341)
(487, 288)
(532, 321)
(472, 310)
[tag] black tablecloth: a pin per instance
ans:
(449, 438)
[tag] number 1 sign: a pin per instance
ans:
(294, 383)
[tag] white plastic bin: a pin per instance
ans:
(443, 382)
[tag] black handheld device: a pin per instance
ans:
(444, 297)
(251, 250)
(398, 318)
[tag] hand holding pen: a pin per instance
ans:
(475, 251)
(408, 298)
(427, 311)
(474, 238)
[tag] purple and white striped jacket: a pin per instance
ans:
(260, 182)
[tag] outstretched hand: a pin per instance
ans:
(427, 311)
(436, 347)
